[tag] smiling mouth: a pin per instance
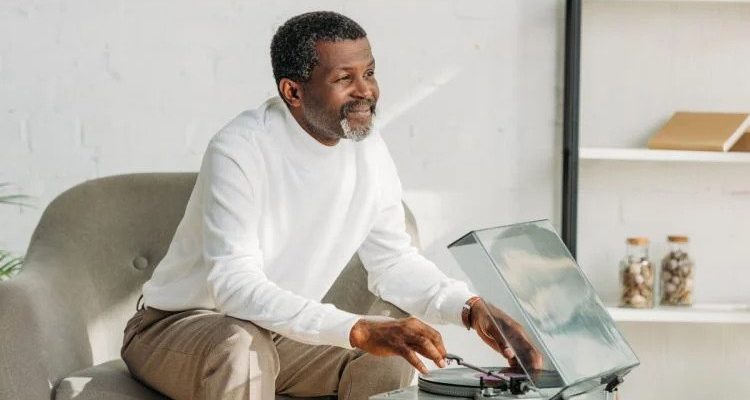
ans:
(362, 114)
(361, 110)
(364, 111)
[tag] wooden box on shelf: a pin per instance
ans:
(701, 131)
(743, 144)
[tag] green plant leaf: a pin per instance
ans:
(14, 199)
(9, 265)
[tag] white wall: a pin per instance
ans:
(471, 90)
(641, 61)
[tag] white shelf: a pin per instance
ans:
(604, 153)
(701, 314)
(667, 1)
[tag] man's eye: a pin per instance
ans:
(370, 73)
(343, 78)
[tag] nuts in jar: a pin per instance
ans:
(677, 273)
(637, 275)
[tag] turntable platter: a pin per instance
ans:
(464, 382)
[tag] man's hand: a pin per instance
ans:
(482, 315)
(404, 337)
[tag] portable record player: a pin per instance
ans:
(493, 383)
(526, 271)
(502, 383)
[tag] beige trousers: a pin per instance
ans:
(202, 354)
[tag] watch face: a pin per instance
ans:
(465, 316)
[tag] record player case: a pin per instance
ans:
(527, 271)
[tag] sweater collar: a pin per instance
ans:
(298, 138)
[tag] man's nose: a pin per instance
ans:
(363, 89)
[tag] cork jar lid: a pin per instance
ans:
(677, 238)
(637, 240)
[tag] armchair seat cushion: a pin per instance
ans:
(107, 381)
(112, 381)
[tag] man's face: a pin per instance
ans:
(340, 97)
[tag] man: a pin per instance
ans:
(285, 195)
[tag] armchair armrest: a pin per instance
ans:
(39, 343)
(24, 372)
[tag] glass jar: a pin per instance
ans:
(637, 275)
(677, 273)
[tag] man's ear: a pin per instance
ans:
(291, 92)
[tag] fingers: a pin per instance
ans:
(508, 353)
(407, 338)
(437, 339)
(529, 355)
(427, 348)
(426, 341)
(497, 341)
(486, 328)
(537, 361)
(412, 358)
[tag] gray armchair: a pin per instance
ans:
(62, 318)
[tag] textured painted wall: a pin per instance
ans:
(470, 95)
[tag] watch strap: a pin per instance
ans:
(466, 311)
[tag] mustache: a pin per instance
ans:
(348, 107)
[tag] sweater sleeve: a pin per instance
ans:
(396, 270)
(230, 196)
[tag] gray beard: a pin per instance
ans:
(355, 134)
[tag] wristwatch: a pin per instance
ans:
(466, 311)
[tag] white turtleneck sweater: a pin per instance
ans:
(274, 218)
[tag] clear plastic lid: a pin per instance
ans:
(527, 271)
